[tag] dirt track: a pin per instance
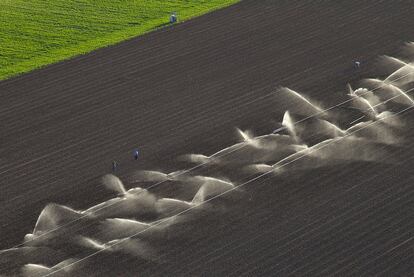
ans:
(183, 90)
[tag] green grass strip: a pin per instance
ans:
(35, 33)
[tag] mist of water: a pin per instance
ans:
(194, 158)
(169, 206)
(369, 95)
(130, 246)
(245, 136)
(255, 169)
(389, 92)
(297, 103)
(401, 76)
(289, 124)
(151, 176)
(391, 64)
(135, 203)
(211, 187)
(117, 228)
(18, 257)
(379, 132)
(363, 105)
(113, 183)
(34, 270)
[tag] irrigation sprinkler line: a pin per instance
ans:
(211, 158)
(379, 104)
(349, 100)
(358, 119)
(225, 192)
(150, 187)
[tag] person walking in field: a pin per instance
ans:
(173, 18)
(114, 166)
(136, 154)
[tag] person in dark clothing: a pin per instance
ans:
(136, 154)
(114, 166)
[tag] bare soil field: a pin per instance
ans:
(184, 89)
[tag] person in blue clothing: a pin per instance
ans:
(136, 154)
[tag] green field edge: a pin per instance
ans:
(63, 54)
